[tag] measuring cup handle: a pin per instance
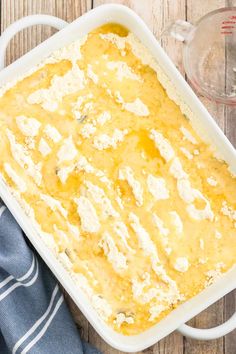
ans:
(180, 30)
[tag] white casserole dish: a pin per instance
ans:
(200, 118)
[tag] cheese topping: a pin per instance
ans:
(105, 141)
(188, 136)
(157, 187)
(92, 74)
(67, 151)
(116, 258)
(99, 197)
(88, 215)
(211, 181)
(28, 126)
(19, 182)
(88, 130)
(181, 264)
(128, 175)
(163, 145)
(22, 157)
(121, 318)
(98, 149)
(123, 70)
(137, 107)
(54, 204)
(44, 148)
(61, 86)
(177, 222)
(104, 117)
(186, 153)
(52, 133)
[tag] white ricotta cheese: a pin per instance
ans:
(138, 286)
(104, 117)
(121, 229)
(176, 169)
(19, 182)
(160, 225)
(212, 181)
(185, 190)
(84, 165)
(70, 52)
(74, 230)
(114, 39)
(218, 235)
(54, 204)
(155, 311)
(127, 174)
(64, 172)
(88, 130)
(188, 136)
(104, 141)
(80, 109)
(123, 70)
(115, 257)
(228, 211)
(213, 274)
(44, 148)
(177, 222)
(137, 107)
(61, 86)
(22, 157)
(181, 264)
(202, 244)
(189, 194)
(122, 318)
(163, 145)
(67, 151)
(91, 74)
(144, 239)
(186, 153)
(157, 187)
(87, 214)
(99, 197)
(52, 133)
(28, 126)
(201, 214)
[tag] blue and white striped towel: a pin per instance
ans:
(34, 318)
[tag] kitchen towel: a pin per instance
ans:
(34, 317)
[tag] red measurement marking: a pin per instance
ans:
(228, 22)
(225, 27)
(226, 32)
(232, 17)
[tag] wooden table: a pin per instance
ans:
(157, 14)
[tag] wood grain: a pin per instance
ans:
(157, 14)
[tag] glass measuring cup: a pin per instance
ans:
(209, 53)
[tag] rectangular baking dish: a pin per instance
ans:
(204, 124)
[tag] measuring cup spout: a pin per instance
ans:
(180, 30)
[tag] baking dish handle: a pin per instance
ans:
(211, 333)
(25, 22)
